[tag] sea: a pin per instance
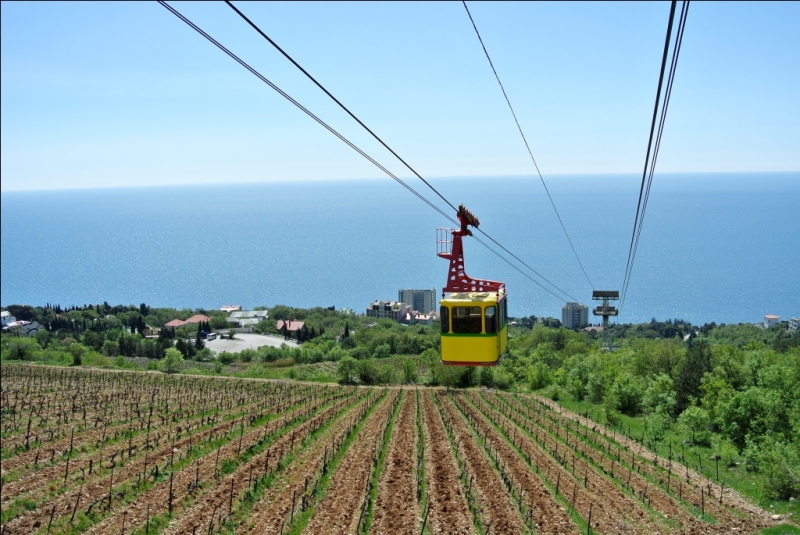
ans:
(714, 247)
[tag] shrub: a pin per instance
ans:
(539, 376)
(347, 370)
(780, 464)
(173, 360)
(409, 371)
(226, 358)
(694, 421)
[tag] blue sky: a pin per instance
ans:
(124, 94)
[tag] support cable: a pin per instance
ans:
(527, 146)
(650, 163)
(662, 120)
(287, 56)
(362, 153)
(318, 84)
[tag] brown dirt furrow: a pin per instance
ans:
(448, 511)
(339, 509)
(548, 516)
(269, 514)
(96, 490)
(657, 496)
(612, 509)
(204, 472)
(499, 514)
(396, 509)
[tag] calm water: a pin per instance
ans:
(722, 248)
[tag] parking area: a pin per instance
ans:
(247, 341)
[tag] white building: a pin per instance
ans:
(793, 324)
(247, 318)
(422, 301)
(574, 315)
(389, 309)
(770, 320)
(6, 318)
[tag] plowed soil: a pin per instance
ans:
(396, 508)
(448, 510)
(339, 510)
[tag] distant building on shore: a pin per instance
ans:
(793, 324)
(574, 315)
(770, 320)
(247, 318)
(422, 301)
(393, 310)
(194, 320)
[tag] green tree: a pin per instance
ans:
(78, 351)
(539, 376)
(172, 361)
(19, 348)
(694, 421)
(198, 341)
(409, 371)
(347, 370)
(110, 348)
(690, 374)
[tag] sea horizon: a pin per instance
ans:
(717, 247)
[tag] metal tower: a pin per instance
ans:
(605, 309)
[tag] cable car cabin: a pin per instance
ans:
(474, 315)
(474, 328)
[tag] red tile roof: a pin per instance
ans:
(291, 325)
(175, 323)
(197, 318)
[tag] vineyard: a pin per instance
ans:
(114, 452)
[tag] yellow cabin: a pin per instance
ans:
(474, 328)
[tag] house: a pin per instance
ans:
(388, 309)
(292, 326)
(22, 327)
(194, 320)
(247, 318)
(793, 324)
(6, 318)
(770, 320)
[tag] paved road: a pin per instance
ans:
(247, 341)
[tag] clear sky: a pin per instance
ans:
(125, 94)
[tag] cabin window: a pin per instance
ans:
(444, 314)
(491, 320)
(467, 320)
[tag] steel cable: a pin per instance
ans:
(362, 153)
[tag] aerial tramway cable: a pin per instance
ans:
(527, 146)
(650, 163)
(362, 153)
(339, 103)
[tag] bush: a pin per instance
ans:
(78, 351)
(780, 464)
(347, 370)
(409, 371)
(539, 376)
(226, 358)
(173, 360)
(625, 396)
(368, 372)
(503, 380)
(694, 421)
